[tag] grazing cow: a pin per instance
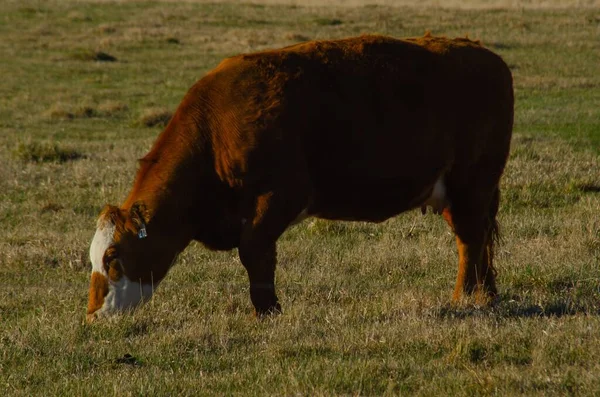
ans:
(359, 129)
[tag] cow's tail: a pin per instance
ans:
(494, 237)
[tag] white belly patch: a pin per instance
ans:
(301, 216)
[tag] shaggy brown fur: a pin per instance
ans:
(352, 129)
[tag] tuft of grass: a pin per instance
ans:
(63, 112)
(155, 117)
(106, 29)
(28, 10)
(84, 111)
(58, 112)
(111, 108)
(107, 109)
(51, 207)
(45, 152)
(78, 16)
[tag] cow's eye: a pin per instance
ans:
(109, 256)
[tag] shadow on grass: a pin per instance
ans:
(88, 55)
(508, 307)
(589, 188)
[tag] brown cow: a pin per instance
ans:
(358, 129)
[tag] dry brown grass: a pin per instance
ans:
(111, 108)
(45, 152)
(455, 4)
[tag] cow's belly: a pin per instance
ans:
(373, 201)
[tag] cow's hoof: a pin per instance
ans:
(264, 300)
(268, 311)
(478, 297)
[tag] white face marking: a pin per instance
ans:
(102, 240)
(124, 293)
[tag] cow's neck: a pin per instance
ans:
(163, 183)
(179, 185)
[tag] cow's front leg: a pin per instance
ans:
(259, 261)
(272, 213)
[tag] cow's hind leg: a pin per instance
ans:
(473, 219)
(272, 213)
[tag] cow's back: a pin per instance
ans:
(372, 121)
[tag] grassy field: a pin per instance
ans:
(85, 88)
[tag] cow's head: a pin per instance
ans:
(128, 261)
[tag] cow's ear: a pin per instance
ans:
(139, 216)
(111, 214)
